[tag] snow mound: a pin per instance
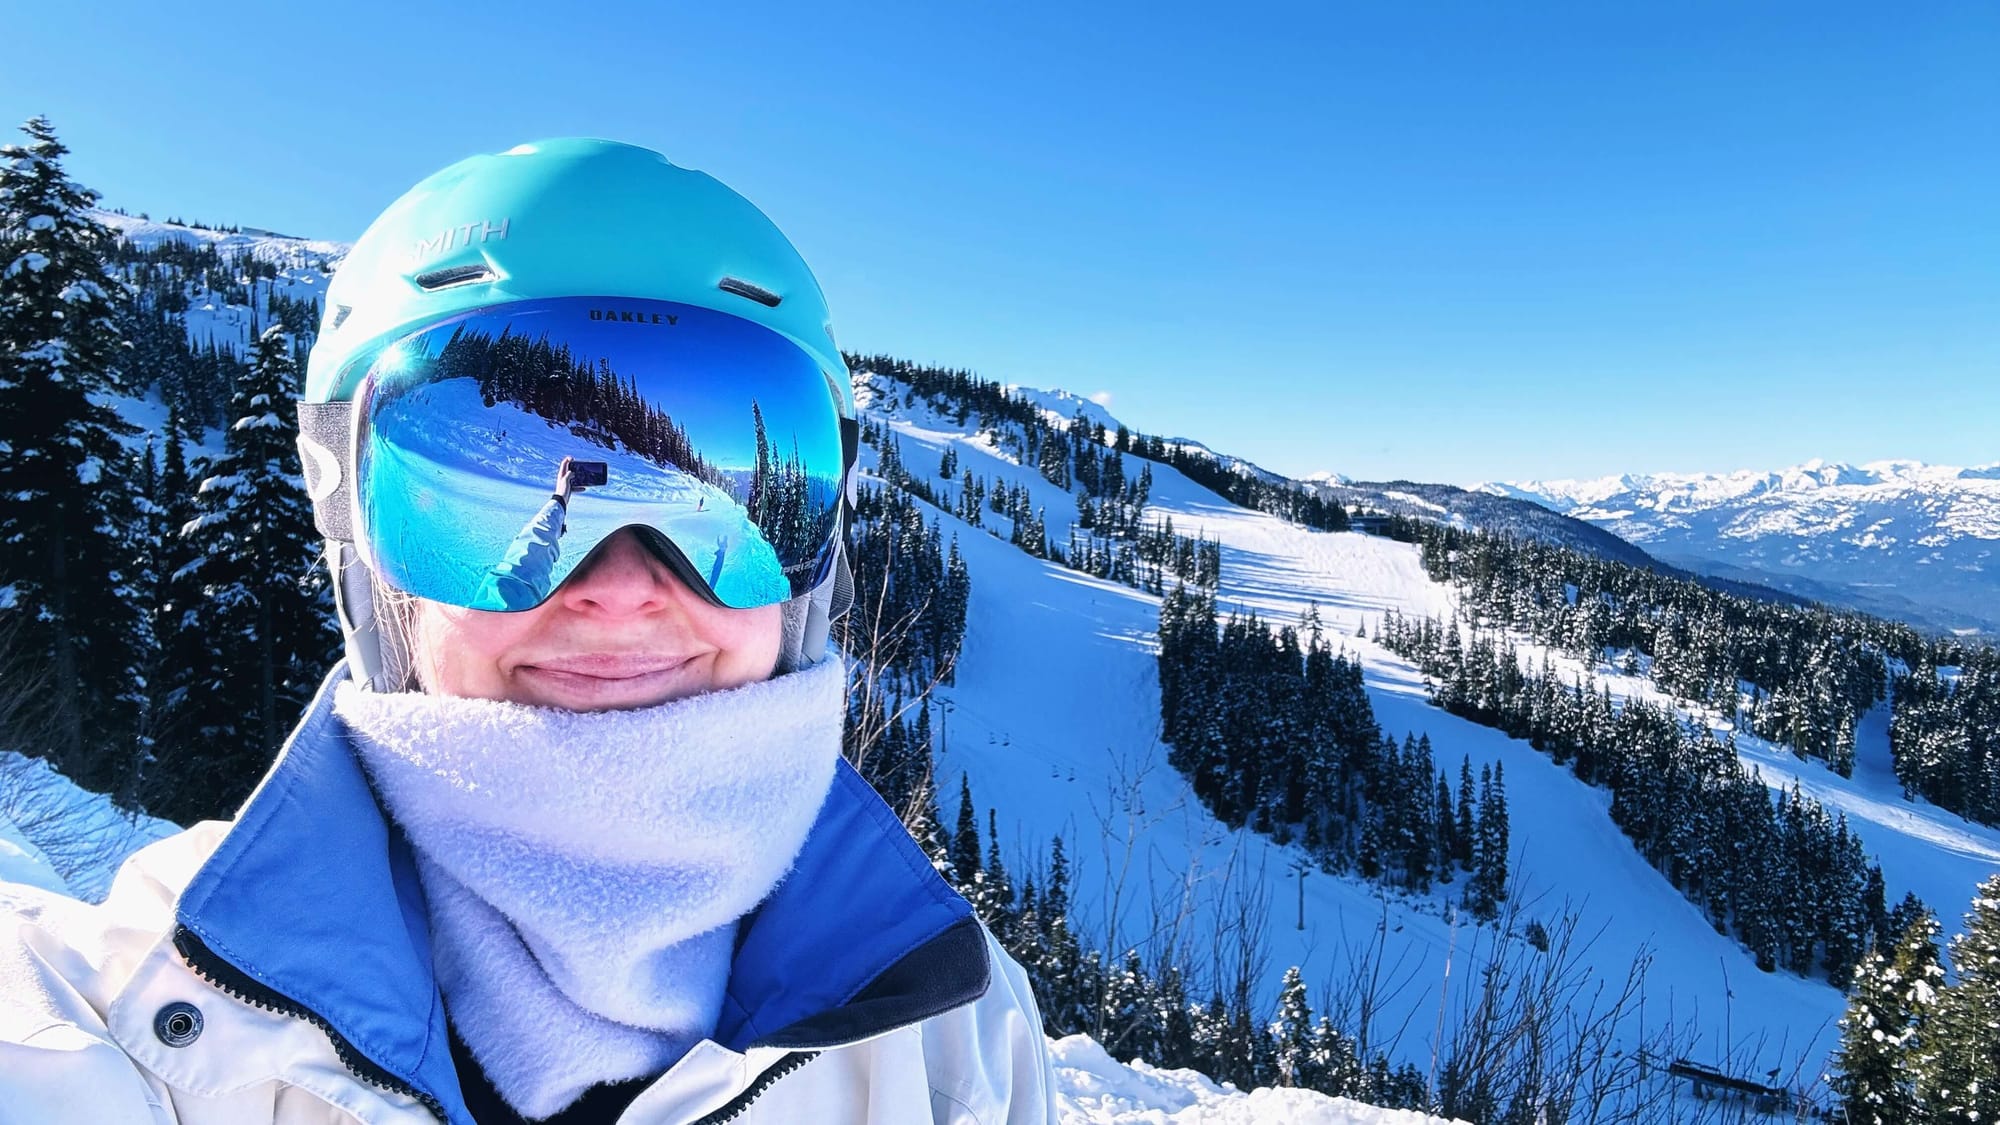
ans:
(58, 836)
(22, 862)
(1092, 1088)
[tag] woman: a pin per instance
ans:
(587, 854)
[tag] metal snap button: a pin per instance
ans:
(178, 1024)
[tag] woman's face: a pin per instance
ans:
(621, 632)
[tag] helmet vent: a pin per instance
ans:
(452, 275)
(756, 293)
(341, 313)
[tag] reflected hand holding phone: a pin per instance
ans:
(575, 476)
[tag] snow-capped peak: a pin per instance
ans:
(1907, 529)
(263, 245)
(1704, 489)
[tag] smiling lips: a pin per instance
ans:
(611, 666)
(610, 679)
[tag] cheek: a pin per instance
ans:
(749, 641)
(458, 651)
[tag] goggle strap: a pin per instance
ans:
(843, 583)
(354, 601)
(326, 435)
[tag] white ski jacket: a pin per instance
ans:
(276, 969)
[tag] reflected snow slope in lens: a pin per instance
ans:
(717, 432)
(462, 481)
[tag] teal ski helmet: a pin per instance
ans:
(569, 217)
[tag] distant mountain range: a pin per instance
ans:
(1903, 539)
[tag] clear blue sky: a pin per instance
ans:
(1446, 242)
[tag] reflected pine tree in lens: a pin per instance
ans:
(786, 503)
(760, 475)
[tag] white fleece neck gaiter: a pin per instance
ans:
(585, 871)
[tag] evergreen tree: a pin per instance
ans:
(1488, 885)
(1446, 843)
(1069, 997)
(67, 582)
(1130, 1023)
(1292, 1034)
(1175, 1019)
(1960, 1064)
(1339, 1065)
(1214, 1048)
(1875, 1069)
(267, 621)
(965, 837)
(180, 628)
(993, 896)
(1464, 833)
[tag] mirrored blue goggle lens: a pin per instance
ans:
(717, 434)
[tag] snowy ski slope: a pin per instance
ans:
(1054, 719)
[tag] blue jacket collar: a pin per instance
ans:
(312, 897)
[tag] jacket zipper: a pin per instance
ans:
(233, 981)
(228, 978)
(735, 1107)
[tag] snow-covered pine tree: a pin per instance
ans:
(1291, 1034)
(179, 629)
(1446, 841)
(1493, 835)
(1129, 1024)
(1959, 1069)
(268, 613)
(1175, 1019)
(1340, 1071)
(145, 529)
(1488, 885)
(1464, 829)
(65, 508)
(1058, 977)
(1420, 825)
(1875, 1070)
(1211, 1034)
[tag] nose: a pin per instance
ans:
(622, 576)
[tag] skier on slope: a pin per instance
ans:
(594, 860)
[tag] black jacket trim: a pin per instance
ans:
(949, 971)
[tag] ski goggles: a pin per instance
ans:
(716, 437)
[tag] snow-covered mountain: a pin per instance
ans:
(302, 264)
(1901, 538)
(1054, 720)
